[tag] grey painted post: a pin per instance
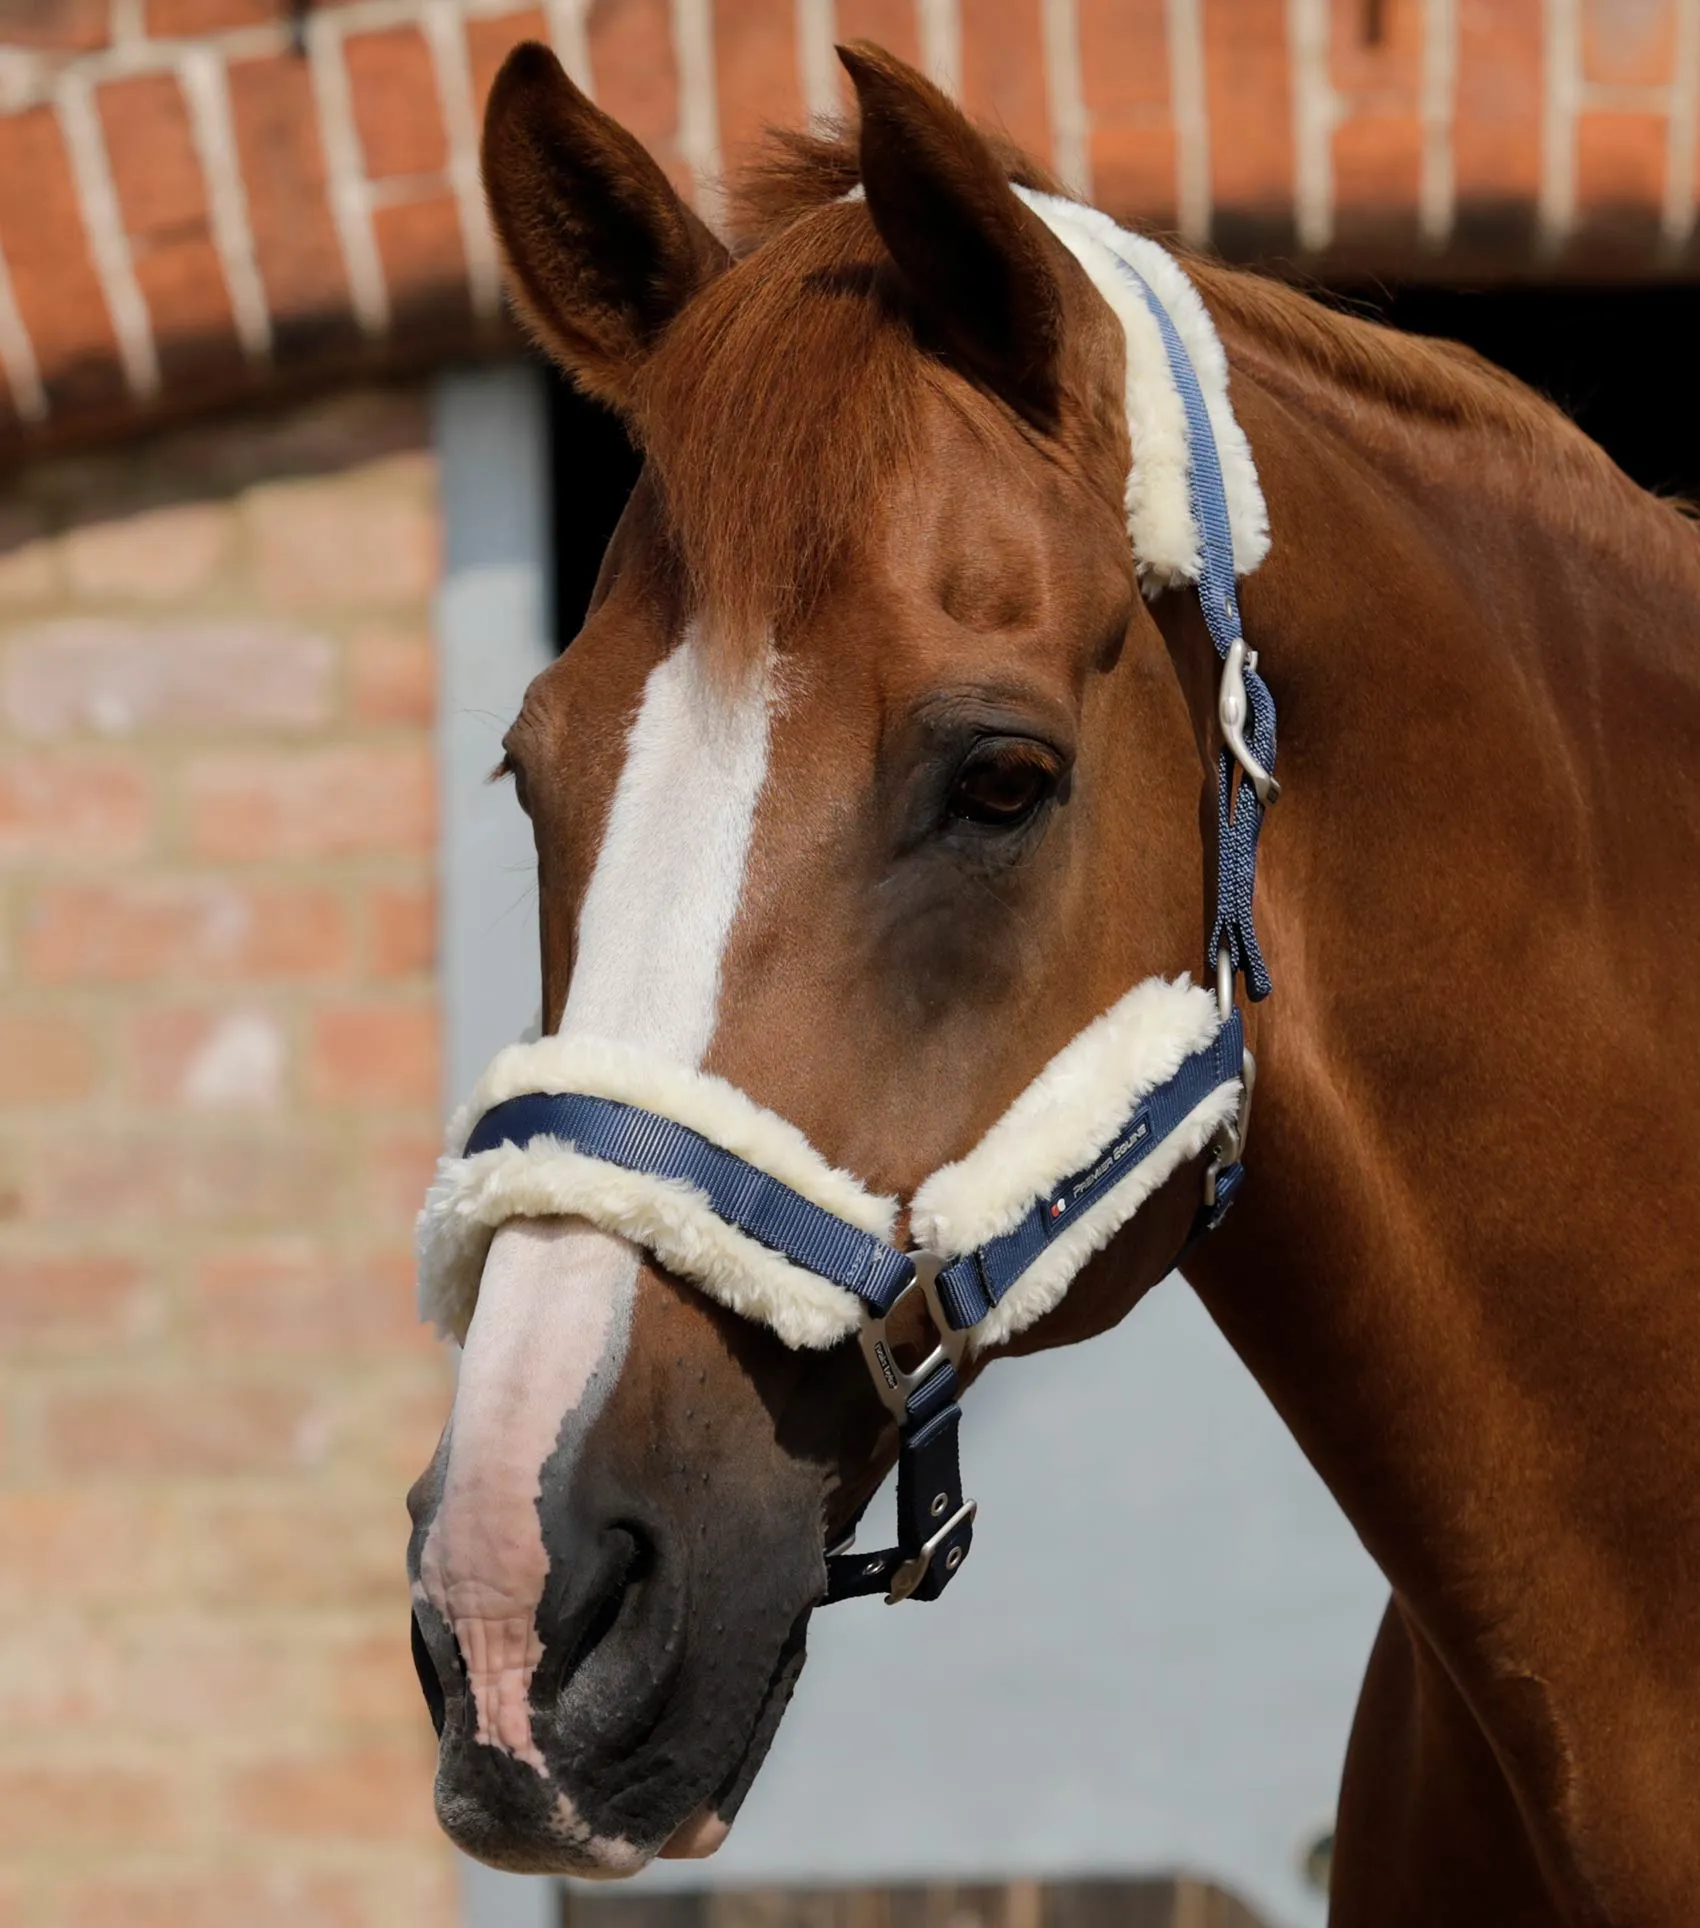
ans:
(491, 431)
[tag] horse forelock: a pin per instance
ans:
(783, 401)
(777, 408)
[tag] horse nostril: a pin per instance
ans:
(430, 1684)
(628, 1559)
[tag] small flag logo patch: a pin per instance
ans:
(1058, 1207)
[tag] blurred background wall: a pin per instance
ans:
(285, 523)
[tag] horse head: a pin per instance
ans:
(869, 784)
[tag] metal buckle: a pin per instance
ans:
(891, 1382)
(1233, 711)
(912, 1572)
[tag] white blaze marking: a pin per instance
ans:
(547, 1340)
(671, 868)
(553, 1319)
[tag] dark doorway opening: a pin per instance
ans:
(1618, 361)
(592, 469)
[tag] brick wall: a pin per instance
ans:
(218, 1099)
(203, 198)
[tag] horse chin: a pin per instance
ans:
(530, 1820)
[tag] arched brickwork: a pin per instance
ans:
(203, 198)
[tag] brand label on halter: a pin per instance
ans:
(1074, 1194)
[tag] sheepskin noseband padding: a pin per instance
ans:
(1065, 1119)
(1060, 1124)
(470, 1197)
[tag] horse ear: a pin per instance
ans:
(603, 252)
(981, 265)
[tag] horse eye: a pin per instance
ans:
(1002, 786)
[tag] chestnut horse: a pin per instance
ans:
(874, 778)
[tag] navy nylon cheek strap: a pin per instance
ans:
(935, 1525)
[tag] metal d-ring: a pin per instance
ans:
(1233, 711)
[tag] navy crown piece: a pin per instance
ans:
(1251, 733)
(935, 1524)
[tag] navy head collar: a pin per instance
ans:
(778, 1235)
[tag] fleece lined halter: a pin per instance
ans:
(726, 1194)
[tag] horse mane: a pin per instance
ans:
(785, 396)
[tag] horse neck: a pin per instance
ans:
(1460, 1266)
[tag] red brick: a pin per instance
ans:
(334, 1547)
(181, 19)
(47, 1057)
(59, 26)
(134, 929)
(60, 1677)
(1381, 72)
(204, 1428)
(1629, 46)
(1620, 167)
(318, 545)
(755, 67)
(87, 1807)
(489, 41)
(350, 800)
(283, 170)
(1003, 70)
(294, 1299)
(375, 1055)
(392, 676)
(78, 1548)
(53, 278)
(1247, 88)
(213, 1897)
(1377, 174)
(202, 1677)
(396, 109)
(1496, 140)
(637, 78)
(1124, 66)
(156, 555)
(373, 1794)
(1377, 147)
(392, 1425)
(399, 1166)
(80, 1299)
(207, 1059)
(117, 678)
(162, 200)
(402, 926)
(248, 1179)
(419, 243)
(61, 806)
(892, 24)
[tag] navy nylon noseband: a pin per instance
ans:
(935, 1525)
